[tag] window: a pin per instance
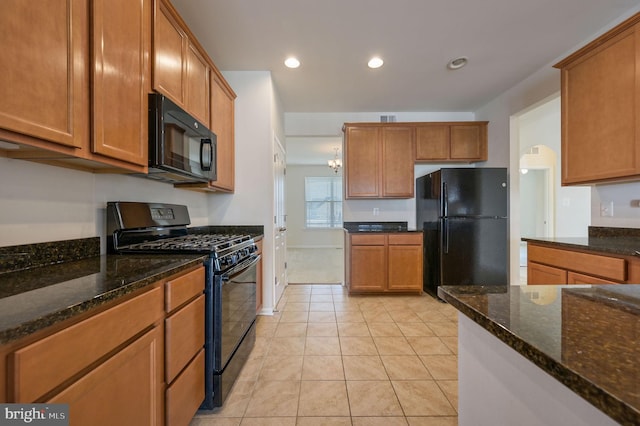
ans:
(323, 202)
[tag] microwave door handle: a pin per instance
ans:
(206, 160)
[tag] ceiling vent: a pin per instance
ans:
(387, 118)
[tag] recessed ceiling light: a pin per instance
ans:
(375, 62)
(457, 63)
(292, 62)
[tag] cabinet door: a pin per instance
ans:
(197, 86)
(124, 390)
(121, 75)
(170, 45)
(468, 142)
(368, 268)
(576, 278)
(362, 157)
(397, 162)
(222, 124)
(599, 112)
(542, 274)
(432, 142)
(405, 267)
(45, 70)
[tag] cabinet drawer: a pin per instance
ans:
(186, 394)
(184, 288)
(575, 278)
(592, 264)
(413, 239)
(368, 240)
(45, 364)
(184, 336)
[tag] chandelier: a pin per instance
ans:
(335, 163)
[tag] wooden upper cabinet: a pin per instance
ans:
(362, 162)
(121, 78)
(222, 124)
(197, 86)
(180, 70)
(397, 162)
(451, 142)
(170, 47)
(468, 142)
(600, 97)
(44, 63)
(432, 142)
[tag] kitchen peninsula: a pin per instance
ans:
(541, 355)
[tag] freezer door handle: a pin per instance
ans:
(445, 236)
(445, 200)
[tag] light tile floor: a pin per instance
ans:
(328, 358)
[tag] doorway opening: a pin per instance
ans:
(315, 249)
(544, 208)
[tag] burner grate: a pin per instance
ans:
(193, 242)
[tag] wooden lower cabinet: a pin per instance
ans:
(575, 278)
(185, 394)
(384, 263)
(368, 268)
(405, 267)
(542, 274)
(124, 390)
(137, 362)
(556, 265)
(184, 347)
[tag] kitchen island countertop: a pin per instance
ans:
(585, 337)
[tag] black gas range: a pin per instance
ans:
(230, 283)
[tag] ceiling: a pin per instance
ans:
(505, 41)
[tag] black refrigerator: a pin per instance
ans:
(463, 215)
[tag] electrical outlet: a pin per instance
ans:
(606, 209)
(376, 211)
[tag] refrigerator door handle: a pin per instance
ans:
(445, 200)
(445, 236)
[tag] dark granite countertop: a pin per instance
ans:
(387, 227)
(41, 290)
(620, 241)
(587, 337)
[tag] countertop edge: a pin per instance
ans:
(584, 247)
(595, 395)
(27, 328)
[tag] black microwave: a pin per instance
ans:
(181, 149)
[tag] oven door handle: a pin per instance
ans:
(241, 267)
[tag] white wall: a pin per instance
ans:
(626, 213)
(40, 203)
(257, 121)
(298, 236)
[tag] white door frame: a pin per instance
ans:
(279, 221)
